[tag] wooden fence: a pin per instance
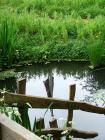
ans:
(20, 99)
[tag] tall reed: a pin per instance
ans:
(7, 42)
(95, 51)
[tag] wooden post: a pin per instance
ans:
(21, 86)
(40, 123)
(53, 124)
(0, 132)
(70, 112)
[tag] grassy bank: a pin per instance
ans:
(47, 30)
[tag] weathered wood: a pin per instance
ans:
(21, 86)
(40, 123)
(43, 102)
(0, 132)
(12, 131)
(73, 132)
(53, 123)
(70, 112)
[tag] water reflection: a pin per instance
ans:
(9, 83)
(93, 80)
(64, 69)
(89, 83)
(49, 84)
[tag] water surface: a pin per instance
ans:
(88, 85)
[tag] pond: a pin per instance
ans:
(90, 87)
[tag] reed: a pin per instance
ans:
(95, 52)
(7, 42)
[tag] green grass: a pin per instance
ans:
(96, 52)
(7, 42)
(49, 30)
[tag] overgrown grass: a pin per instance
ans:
(7, 42)
(55, 29)
(96, 53)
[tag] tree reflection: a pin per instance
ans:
(65, 69)
(94, 81)
(91, 80)
(9, 84)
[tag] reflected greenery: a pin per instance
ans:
(65, 69)
(95, 81)
(97, 99)
(9, 84)
(92, 80)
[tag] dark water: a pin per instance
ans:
(90, 87)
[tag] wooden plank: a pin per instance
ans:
(13, 131)
(73, 132)
(43, 102)
(70, 111)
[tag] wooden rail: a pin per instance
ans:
(20, 99)
(10, 130)
(71, 131)
(43, 102)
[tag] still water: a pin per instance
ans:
(90, 87)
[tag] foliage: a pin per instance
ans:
(95, 52)
(21, 116)
(7, 74)
(11, 112)
(7, 42)
(49, 30)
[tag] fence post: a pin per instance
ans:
(53, 124)
(71, 97)
(40, 123)
(21, 85)
(0, 132)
